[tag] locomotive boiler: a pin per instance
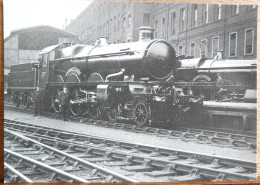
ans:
(145, 59)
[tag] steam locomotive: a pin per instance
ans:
(201, 73)
(141, 81)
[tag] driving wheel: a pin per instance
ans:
(141, 114)
(77, 107)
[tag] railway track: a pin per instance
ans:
(222, 139)
(28, 160)
(139, 162)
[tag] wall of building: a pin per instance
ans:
(194, 30)
(118, 21)
(209, 27)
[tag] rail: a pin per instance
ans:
(153, 161)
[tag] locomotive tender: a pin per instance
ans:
(130, 81)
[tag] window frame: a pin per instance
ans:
(182, 18)
(173, 23)
(235, 45)
(207, 13)
(193, 48)
(149, 22)
(181, 50)
(156, 35)
(118, 22)
(124, 23)
(252, 42)
(206, 52)
(213, 45)
(237, 10)
(163, 33)
(195, 14)
(129, 20)
(114, 24)
(219, 9)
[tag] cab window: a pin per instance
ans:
(45, 59)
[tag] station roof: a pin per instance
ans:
(44, 28)
(39, 37)
(41, 28)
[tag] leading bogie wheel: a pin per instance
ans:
(141, 114)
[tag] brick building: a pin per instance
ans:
(118, 21)
(196, 30)
(200, 30)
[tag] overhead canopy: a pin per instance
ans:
(39, 37)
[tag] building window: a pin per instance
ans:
(156, 29)
(206, 13)
(192, 49)
(173, 20)
(180, 50)
(233, 44)
(118, 26)
(163, 27)
(235, 9)
(182, 19)
(195, 15)
(107, 27)
(124, 24)
(219, 12)
(215, 46)
(249, 41)
(146, 19)
(111, 26)
(129, 20)
(203, 49)
(251, 7)
(114, 23)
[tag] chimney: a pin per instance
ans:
(145, 33)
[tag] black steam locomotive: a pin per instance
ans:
(201, 74)
(130, 81)
(141, 81)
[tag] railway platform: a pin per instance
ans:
(235, 116)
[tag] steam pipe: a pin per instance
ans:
(122, 71)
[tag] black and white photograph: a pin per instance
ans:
(129, 91)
